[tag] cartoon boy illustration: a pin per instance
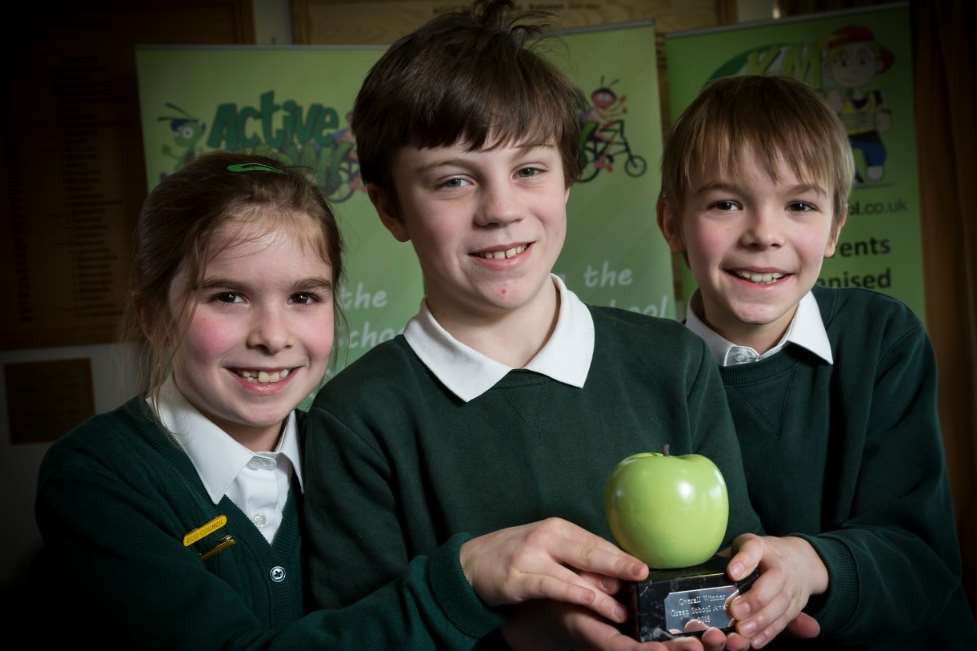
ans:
(854, 59)
(187, 132)
(604, 112)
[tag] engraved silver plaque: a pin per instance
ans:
(685, 610)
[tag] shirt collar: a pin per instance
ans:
(467, 373)
(216, 456)
(806, 330)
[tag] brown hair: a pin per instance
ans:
(175, 231)
(465, 76)
(777, 117)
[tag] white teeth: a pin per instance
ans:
(264, 377)
(502, 255)
(759, 278)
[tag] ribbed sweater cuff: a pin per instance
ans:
(455, 595)
(834, 609)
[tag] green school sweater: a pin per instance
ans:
(396, 463)
(850, 457)
(115, 499)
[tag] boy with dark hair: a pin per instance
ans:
(506, 400)
(833, 390)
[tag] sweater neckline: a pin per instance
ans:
(153, 434)
(771, 367)
(765, 369)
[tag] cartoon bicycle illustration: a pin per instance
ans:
(601, 147)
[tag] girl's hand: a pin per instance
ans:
(538, 561)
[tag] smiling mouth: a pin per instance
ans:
(501, 254)
(262, 377)
(767, 278)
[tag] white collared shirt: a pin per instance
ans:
(256, 482)
(467, 373)
(806, 330)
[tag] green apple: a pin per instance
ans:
(669, 511)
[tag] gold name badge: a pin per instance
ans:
(225, 543)
(205, 530)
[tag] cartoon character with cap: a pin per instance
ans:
(187, 132)
(854, 59)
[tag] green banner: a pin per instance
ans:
(293, 103)
(861, 62)
(614, 253)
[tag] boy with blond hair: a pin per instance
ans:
(833, 391)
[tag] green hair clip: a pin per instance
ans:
(253, 167)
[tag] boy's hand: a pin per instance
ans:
(791, 571)
(537, 561)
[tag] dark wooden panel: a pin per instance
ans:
(72, 161)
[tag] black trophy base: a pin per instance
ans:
(683, 602)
